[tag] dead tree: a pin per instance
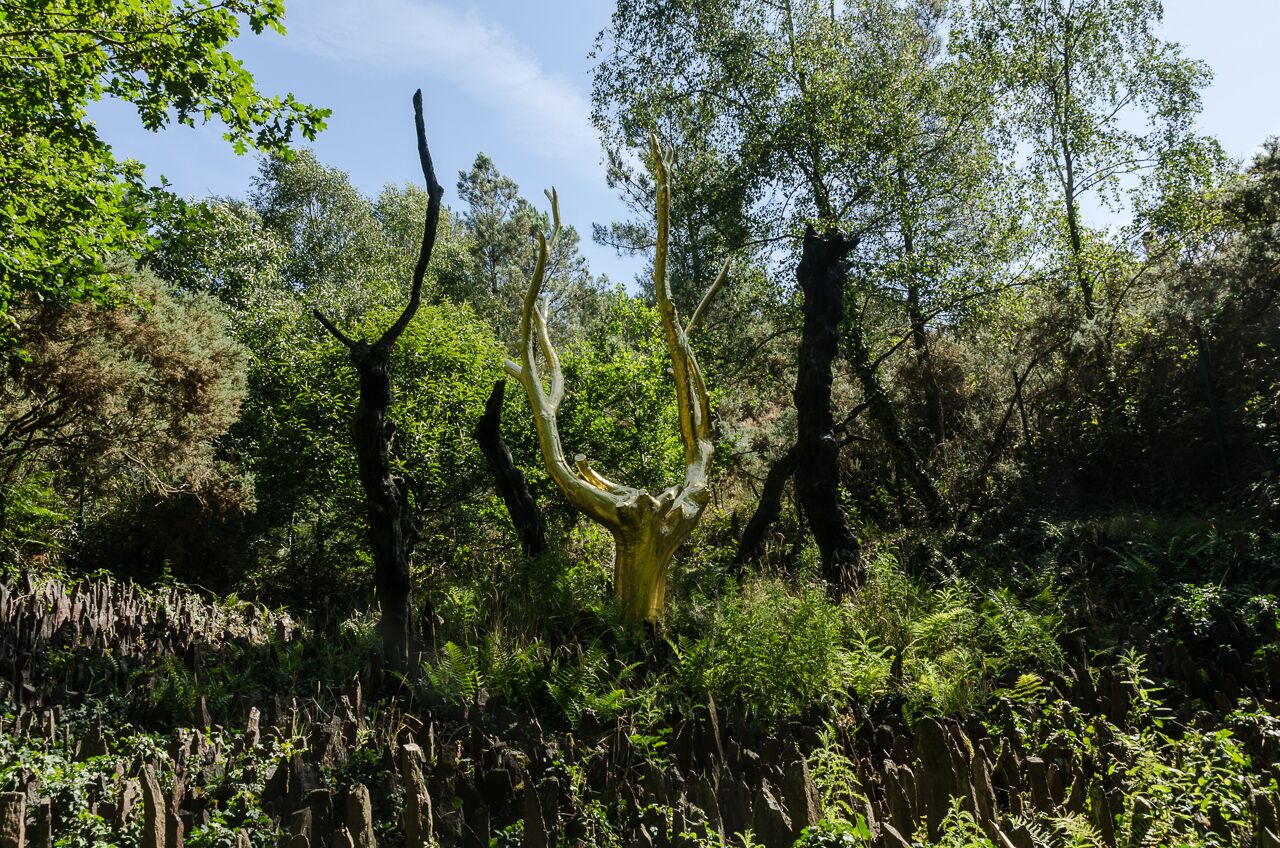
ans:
(647, 528)
(510, 482)
(391, 525)
(821, 274)
(768, 508)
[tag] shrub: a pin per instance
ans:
(779, 648)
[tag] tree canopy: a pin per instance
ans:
(67, 202)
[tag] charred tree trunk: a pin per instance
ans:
(391, 528)
(512, 487)
(821, 274)
(751, 546)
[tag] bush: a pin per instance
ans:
(779, 648)
(772, 648)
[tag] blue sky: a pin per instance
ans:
(513, 78)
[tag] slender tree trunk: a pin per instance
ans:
(933, 415)
(512, 487)
(821, 274)
(816, 172)
(880, 405)
(1073, 230)
(751, 546)
(932, 394)
(1069, 177)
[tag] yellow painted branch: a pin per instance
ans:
(698, 313)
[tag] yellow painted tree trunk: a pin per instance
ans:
(647, 528)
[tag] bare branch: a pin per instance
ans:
(600, 503)
(435, 192)
(691, 393)
(333, 330)
(594, 477)
(550, 355)
(698, 313)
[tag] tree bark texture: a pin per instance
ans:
(751, 546)
(821, 274)
(391, 526)
(510, 482)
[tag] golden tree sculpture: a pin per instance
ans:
(647, 528)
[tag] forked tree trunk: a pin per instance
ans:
(751, 546)
(821, 274)
(386, 498)
(647, 528)
(652, 530)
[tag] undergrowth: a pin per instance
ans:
(770, 649)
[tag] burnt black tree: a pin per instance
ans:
(768, 508)
(821, 274)
(509, 480)
(391, 525)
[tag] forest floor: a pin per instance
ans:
(164, 717)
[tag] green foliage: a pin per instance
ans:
(779, 649)
(500, 226)
(67, 203)
(110, 407)
(622, 410)
(1181, 784)
(773, 650)
(34, 519)
(836, 778)
(310, 238)
(234, 789)
(961, 141)
(836, 834)
(584, 685)
(455, 675)
(959, 830)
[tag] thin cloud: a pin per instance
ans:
(467, 51)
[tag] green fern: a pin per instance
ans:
(455, 676)
(582, 686)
